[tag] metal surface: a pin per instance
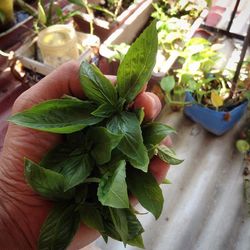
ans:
(204, 207)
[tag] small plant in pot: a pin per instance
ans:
(103, 17)
(195, 62)
(209, 95)
(219, 97)
(175, 19)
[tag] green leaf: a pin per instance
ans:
(166, 181)
(92, 217)
(59, 228)
(135, 228)
(247, 95)
(167, 83)
(104, 110)
(47, 183)
(96, 86)
(140, 114)
(104, 142)
(146, 189)
(58, 116)
(131, 144)
(71, 162)
(120, 222)
(112, 189)
(242, 146)
(122, 225)
(77, 2)
(42, 18)
(137, 242)
(152, 149)
(127, 226)
(168, 155)
(136, 68)
(154, 132)
(2, 17)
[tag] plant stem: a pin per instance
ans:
(118, 7)
(49, 20)
(90, 12)
(96, 7)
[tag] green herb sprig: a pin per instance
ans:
(105, 154)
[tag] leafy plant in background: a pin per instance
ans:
(173, 25)
(198, 75)
(107, 9)
(105, 154)
(195, 74)
(119, 51)
(181, 9)
(50, 14)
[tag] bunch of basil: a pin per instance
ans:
(105, 154)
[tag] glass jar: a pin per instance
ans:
(58, 44)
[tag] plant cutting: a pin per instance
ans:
(105, 153)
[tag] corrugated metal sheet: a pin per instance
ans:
(204, 206)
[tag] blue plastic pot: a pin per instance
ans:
(216, 122)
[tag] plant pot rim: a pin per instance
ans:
(104, 50)
(43, 68)
(120, 19)
(16, 26)
(243, 102)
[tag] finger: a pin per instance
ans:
(83, 237)
(158, 168)
(167, 141)
(63, 80)
(151, 104)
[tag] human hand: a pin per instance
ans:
(23, 211)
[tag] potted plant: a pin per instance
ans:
(218, 97)
(114, 48)
(176, 23)
(102, 18)
(45, 50)
(195, 61)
